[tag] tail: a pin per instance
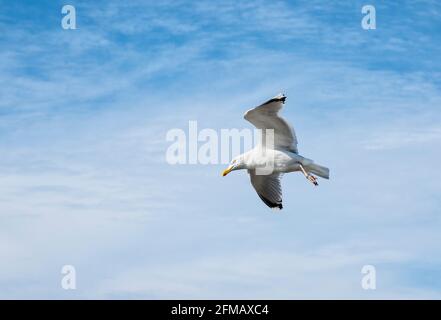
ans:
(318, 170)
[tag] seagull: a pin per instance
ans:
(275, 155)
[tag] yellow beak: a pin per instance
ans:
(227, 171)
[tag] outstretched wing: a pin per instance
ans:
(266, 116)
(268, 188)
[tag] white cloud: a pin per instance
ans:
(404, 139)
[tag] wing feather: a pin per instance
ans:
(268, 188)
(266, 116)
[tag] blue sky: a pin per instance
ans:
(83, 177)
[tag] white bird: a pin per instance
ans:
(275, 155)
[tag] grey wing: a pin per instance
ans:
(266, 116)
(268, 188)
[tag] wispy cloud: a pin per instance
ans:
(405, 139)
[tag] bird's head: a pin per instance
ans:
(235, 164)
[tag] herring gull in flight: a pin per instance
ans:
(275, 155)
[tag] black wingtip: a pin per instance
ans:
(282, 98)
(271, 204)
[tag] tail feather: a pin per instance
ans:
(318, 170)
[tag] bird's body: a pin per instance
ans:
(283, 161)
(275, 155)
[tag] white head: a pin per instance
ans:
(235, 164)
